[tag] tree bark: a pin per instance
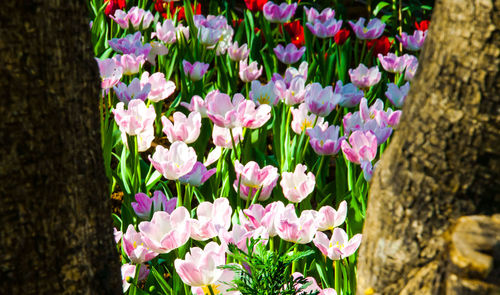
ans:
(54, 208)
(443, 163)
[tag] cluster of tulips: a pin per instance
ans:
(203, 115)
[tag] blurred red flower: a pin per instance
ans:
(255, 5)
(296, 32)
(341, 36)
(380, 45)
(161, 6)
(113, 5)
(423, 25)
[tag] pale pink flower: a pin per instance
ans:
(200, 267)
(174, 163)
(156, 49)
(160, 87)
(251, 218)
(239, 236)
(134, 247)
(364, 77)
(325, 139)
(130, 63)
(209, 36)
(249, 72)
(312, 14)
(257, 216)
(165, 32)
(392, 63)
(110, 72)
(198, 175)
(136, 119)
(221, 110)
(197, 104)
(301, 120)
(117, 235)
(166, 232)
(222, 137)
(252, 117)
(144, 139)
(411, 67)
(325, 29)
(195, 71)
(294, 229)
(211, 218)
(271, 218)
(139, 18)
(297, 185)
(289, 54)
(293, 93)
(145, 206)
(279, 13)
(184, 128)
(127, 44)
(373, 29)
(238, 53)
(329, 218)
(313, 287)
(413, 42)
(263, 94)
(362, 146)
(339, 246)
(319, 100)
(182, 31)
(220, 286)
(128, 272)
(253, 178)
(291, 73)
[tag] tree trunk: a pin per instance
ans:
(443, 163)
(56, 235)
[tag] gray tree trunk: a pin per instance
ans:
(56, 230)
(443, 163)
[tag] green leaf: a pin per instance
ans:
(161, 281)
(379, 7)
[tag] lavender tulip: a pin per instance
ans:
(312, 14)
(350, 95)
(263, 94)
(279, 13)
(373, 29)
(363, 77)
(133, 91)
(319, 100)
(289, 54)
(325, 139)
(238, 53)
(144, 206)
(413, 42)
(196, 70)
(326, 29)
(392, 63)
(397, 95)
(198, 175)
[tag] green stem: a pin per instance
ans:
(320, 165)
(179, 193)
(338, 277)
(234, 143)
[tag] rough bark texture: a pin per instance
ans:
(443, 163)
(54, 211)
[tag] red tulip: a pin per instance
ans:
(113, 5)
(255, 5)
(423, 25)
(296, 32)
(380, 45)
(341, 36)
(161, 6)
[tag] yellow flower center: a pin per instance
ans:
(306, 124)
(215, 289)
(265, 99)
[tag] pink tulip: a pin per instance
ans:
(326, 29)
(212, 218)
(363, 77)
(293, 93)
(238, 53)
(160, 87)
(257, 216)
(197, 104)
(297, 185)
(271, 218)
(319, 100)
(145, 206)
(279, 13)
(157, 48)
(195, 71)
(208, 36)
(291, 73)
(200, 267)
(411, 67)
(184, 128)
(253, 178)
(221, 110)
(166, 232)
(294, 229)
(289, 54)
(144, 139)
(392, 63)
(362, 146)
(198, 175)
(239, 236)
(249, 72)
(313, 287)
(110, 72)
(251, 117)
(174, 163)
(373, 30)
(165, 32)
(222, 137)
(128, 272)
(220, 286)
(301, 120)
(139, 18)
(325, 139)
(251, 218)
(312, 14)
(263, 94)
(130, 63)
(413, 42)
(133, 91)
(134, 247)
(339, 246)
(330, 218)
(136, 119)
(349, 94)
(117, 235)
